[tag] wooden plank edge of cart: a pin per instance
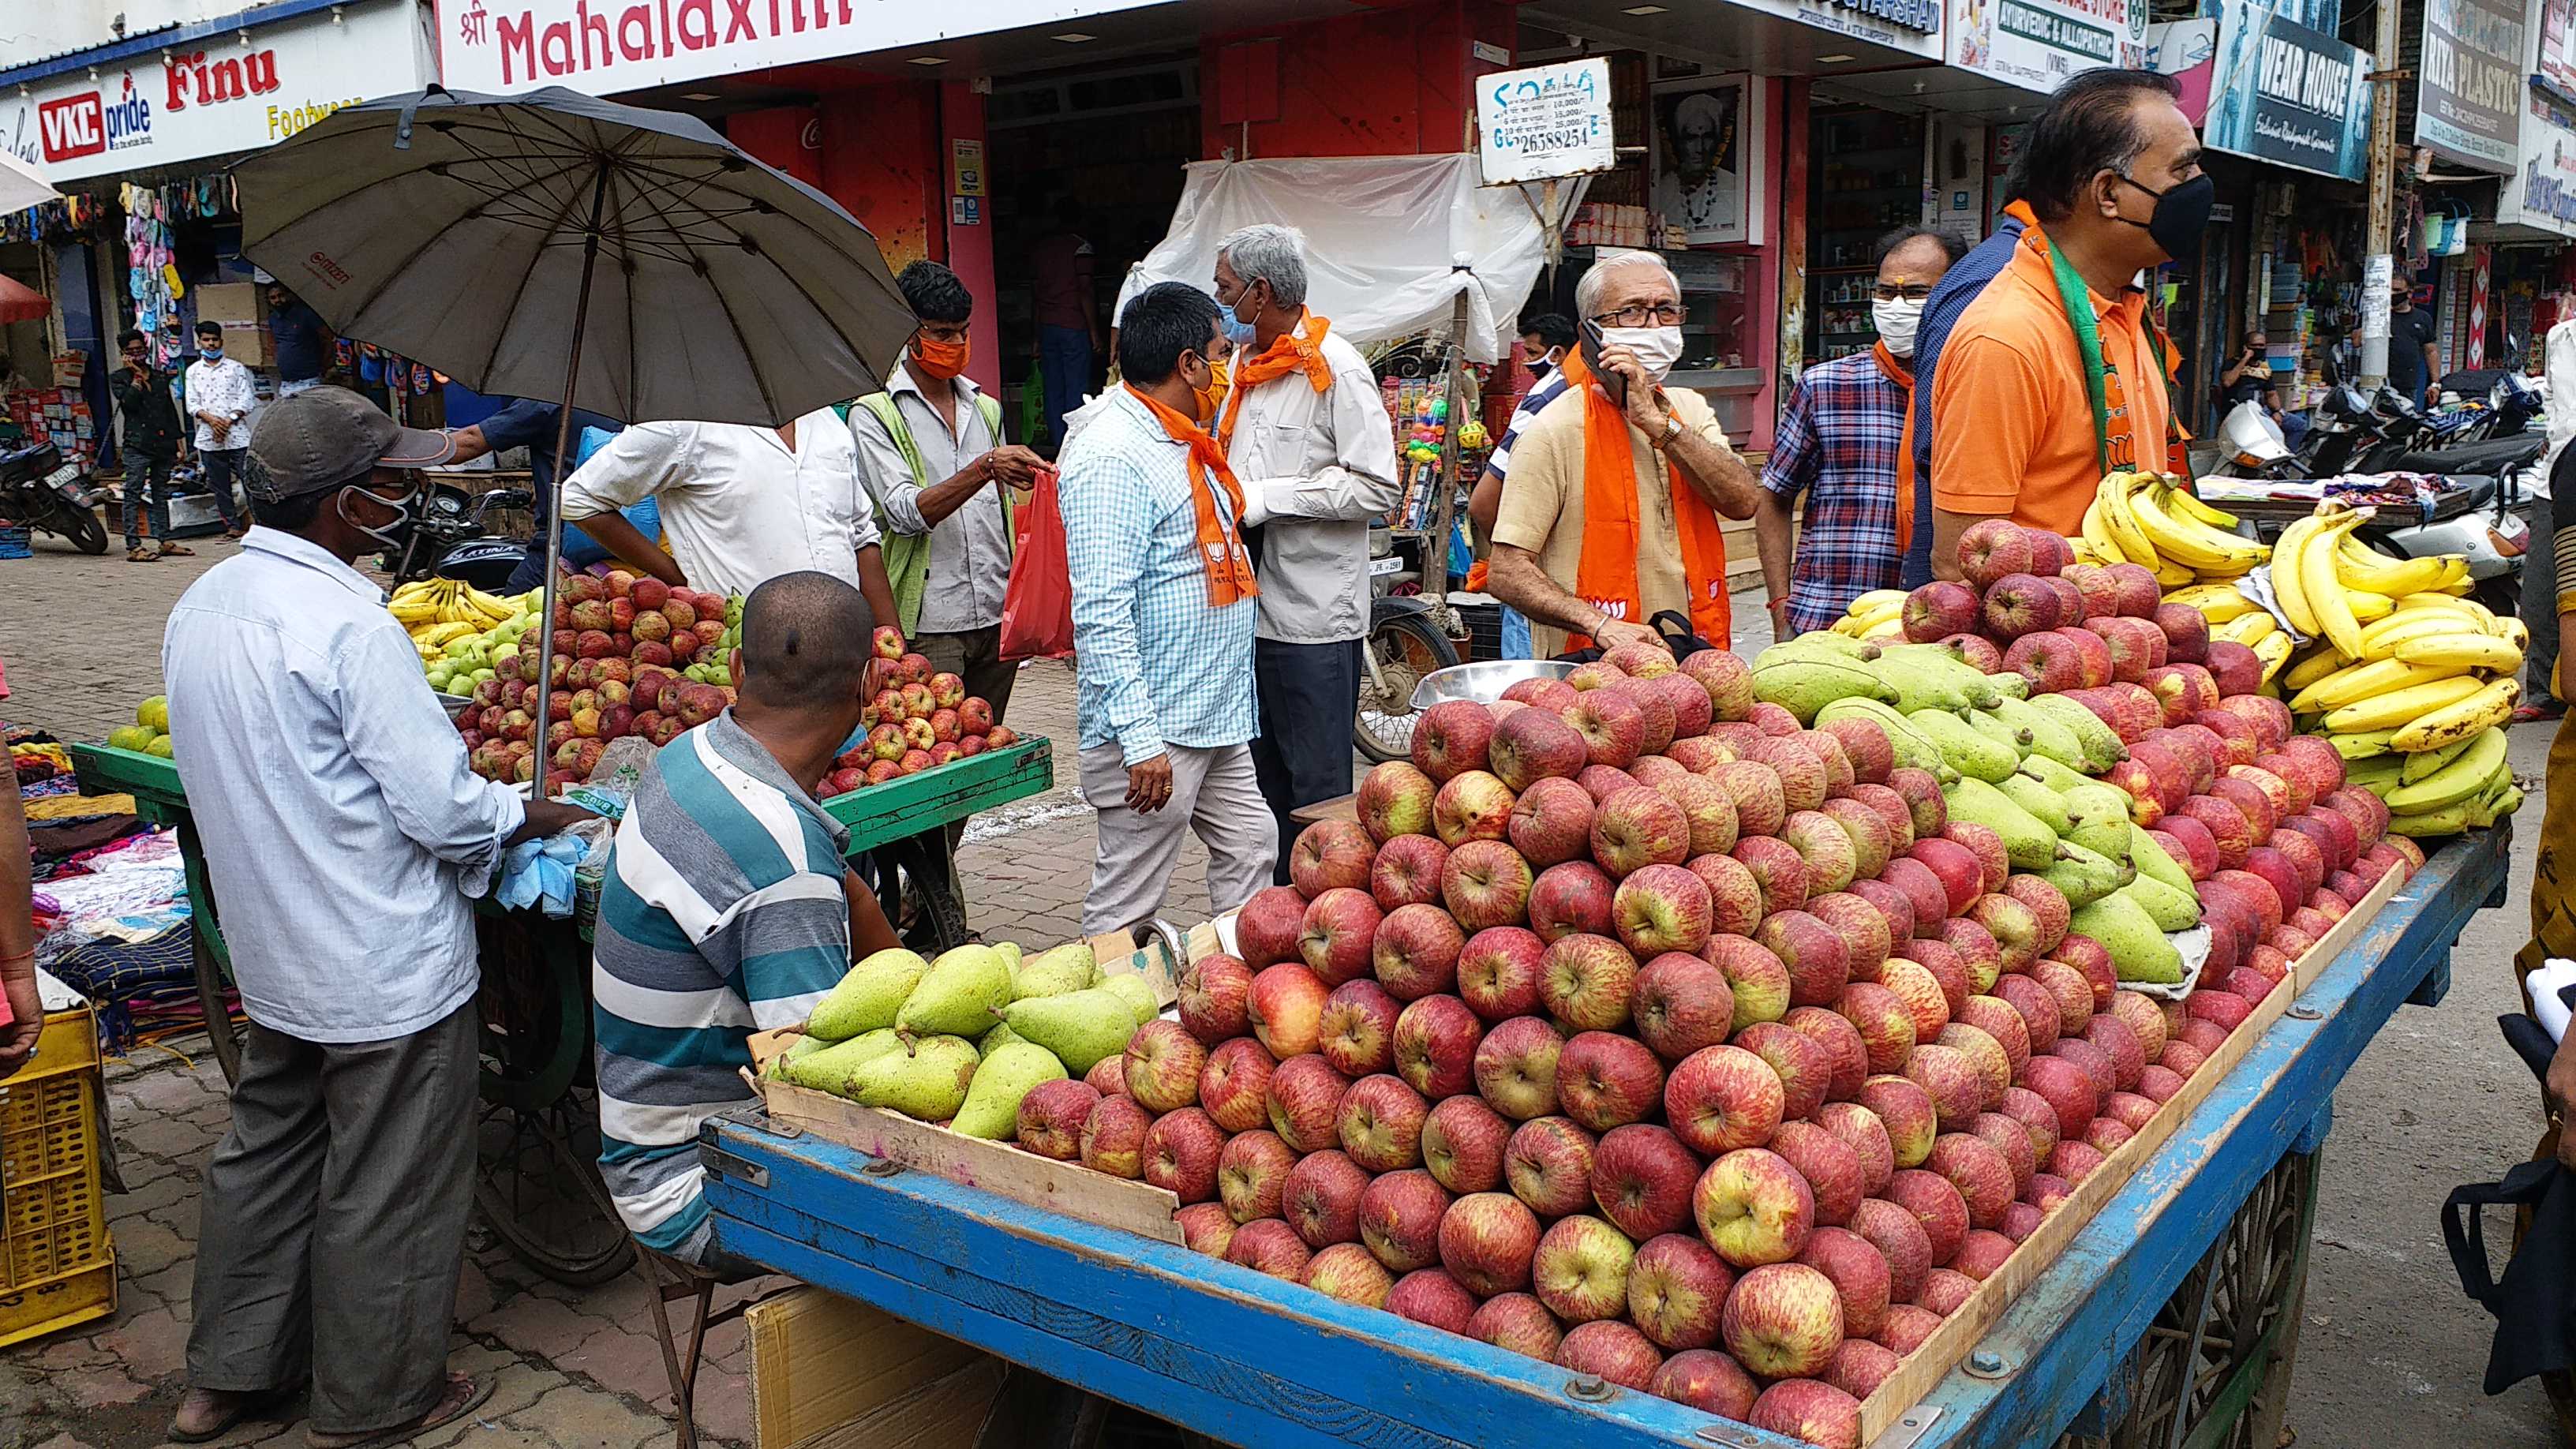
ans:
(1106, 1317)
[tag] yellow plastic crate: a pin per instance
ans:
(57, 1266)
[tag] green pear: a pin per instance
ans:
(2105, 837)
(828, 1066)
(2139, 952)
(2028, 841)
(2154, 863)
(1053, 973)
(928, 1082)
(1131, 988)
(2055, 775)
(868, 997)
(1994, 727)
(992, 1108)
(2170, 909)
(1010, 952)
(2044, 804)
(992, 1041)
(956, 996)
(2082, 876)
(1965, 750)
(801, 1048)
(1080, 1027)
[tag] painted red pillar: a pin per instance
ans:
(970, 242)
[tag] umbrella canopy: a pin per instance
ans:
(463, 231)
(22, 303)
(20, 186)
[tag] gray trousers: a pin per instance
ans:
(1214, 795)
(2540, 602)
(333, 1223)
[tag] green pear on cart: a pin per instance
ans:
(956, 996)
(992, 1107)
(1080, 1027)
(868, 997)
(929, 1081)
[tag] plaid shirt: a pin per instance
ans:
(1154, 664)
(1838, 441)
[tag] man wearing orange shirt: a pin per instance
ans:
(2055, 376)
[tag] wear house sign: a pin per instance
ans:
(216, 96)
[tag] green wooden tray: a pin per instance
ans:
(944, 795)
(152, 780)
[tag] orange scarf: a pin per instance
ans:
(1606, 578)
(1229, 564)
(1901, 373)
(1287, 353)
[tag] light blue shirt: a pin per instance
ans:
(1155, 665)
(341, 828)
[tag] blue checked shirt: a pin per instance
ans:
(1838, 442)
(1155, 664)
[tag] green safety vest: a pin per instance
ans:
(907, 555)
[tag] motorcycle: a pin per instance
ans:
(445, 538)
(40, 490)
(1406, 640)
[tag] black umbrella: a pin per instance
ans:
(552, 244)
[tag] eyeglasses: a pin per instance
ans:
(1886, 293)
(1661, 314)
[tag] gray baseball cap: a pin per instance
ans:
(324, 437)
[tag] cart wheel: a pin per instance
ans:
(1401, 649)
(537, 1141)
(211, 989)
(915, 871)
(2213, 1369)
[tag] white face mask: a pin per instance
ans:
(1896, 322)
(1657, 348)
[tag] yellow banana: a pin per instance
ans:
(2427, 762)
(1884, 628)
(2181, 502)
(2174, 575)
(2363, 568)
(2193, 544)
(2474, 651)
(2361, 746)
(2097, 528)
(2406, 707)
(2274, 650)
(2325, 591)
(1876, 600)
(2220, 602)
(498, 609)
(2360, 681)
(2370, 608)
(2316, 664)
(2380, 640)
(2430, 600)
(2246, 628)
(2514, 632)
(2286, 575)
(2132, 540)
(2483, 708)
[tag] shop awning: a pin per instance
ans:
(22, 303)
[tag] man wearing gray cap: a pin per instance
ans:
(343, 836)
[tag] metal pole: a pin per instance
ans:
(1444, 496)
(2380, 239)
(554, 510)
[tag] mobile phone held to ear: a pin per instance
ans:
(1612, 383)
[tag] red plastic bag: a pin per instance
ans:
(1037, 604)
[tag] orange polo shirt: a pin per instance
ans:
(2012, 429)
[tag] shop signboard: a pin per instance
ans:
(2283, 93)
(2469, 102)
(1543, 122)
(2543, 194)
(2555, 65)
(609, 47)
(2038, 44)
(1912, 26)
(216, 97)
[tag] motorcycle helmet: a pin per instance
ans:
(2249, 435)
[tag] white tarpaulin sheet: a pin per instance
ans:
(1381, 233)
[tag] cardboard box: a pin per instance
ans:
(227, 302)
(250, 344)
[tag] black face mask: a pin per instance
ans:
(2181, 213)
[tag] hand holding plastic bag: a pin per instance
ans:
(1037, 605)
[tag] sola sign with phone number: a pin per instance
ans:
(1549, 120)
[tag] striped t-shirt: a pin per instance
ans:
(722, 914)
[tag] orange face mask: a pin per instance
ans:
(941, 360)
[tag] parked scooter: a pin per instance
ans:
(40, 490)
(445, 538)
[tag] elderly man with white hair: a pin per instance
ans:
(1306, 430)
(1610, 515)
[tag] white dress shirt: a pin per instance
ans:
(739, 507)
(970, 550)
(222, 387)
(341, 828)
(1316, 467)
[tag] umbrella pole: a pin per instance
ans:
(554, 512)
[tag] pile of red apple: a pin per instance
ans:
(2278, 848)
(1636, 1029)
(919, 720)
(621, 644)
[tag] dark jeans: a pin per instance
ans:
(147, 476)
(221, 467)
(2540, 603)
(1064, 366)
(333, 1222)
(1308, 693)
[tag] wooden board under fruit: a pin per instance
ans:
(1254, 1362)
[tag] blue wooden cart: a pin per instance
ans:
(2169, 1319)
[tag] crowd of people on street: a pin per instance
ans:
(1217, 499)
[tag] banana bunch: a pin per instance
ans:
(2143, 518)
(2418, 710)
(427, 603)
(2330, 585)
(1878, 614)
(2447, 790)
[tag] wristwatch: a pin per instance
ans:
(1672, 430)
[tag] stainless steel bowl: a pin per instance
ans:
(1485, 680)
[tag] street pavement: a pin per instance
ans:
(2390, 1353)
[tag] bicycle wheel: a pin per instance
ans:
(1400, 649)
(536, 1175)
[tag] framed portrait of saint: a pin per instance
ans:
(1707, 152)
